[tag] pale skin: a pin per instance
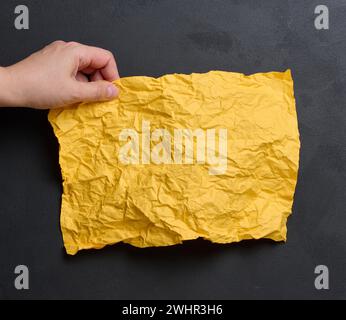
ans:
(59, 75)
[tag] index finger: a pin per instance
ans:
(98, 59)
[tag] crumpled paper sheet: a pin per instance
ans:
(106, 201)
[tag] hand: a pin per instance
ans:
(61, 74)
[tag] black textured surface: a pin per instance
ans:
(154, 38)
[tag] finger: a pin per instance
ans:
(81, 77)
(94, 91)
(88, 71)
(97, 76)
(97, 59)
(111, 73)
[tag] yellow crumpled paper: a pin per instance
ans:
(127, 176)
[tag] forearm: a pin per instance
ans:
(10, 95)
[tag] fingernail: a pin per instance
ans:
(112, 91)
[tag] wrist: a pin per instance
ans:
(10, 95)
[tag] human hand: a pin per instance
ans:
(61, 74)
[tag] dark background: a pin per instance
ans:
(154, 38)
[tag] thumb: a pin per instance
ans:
(96, 91)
